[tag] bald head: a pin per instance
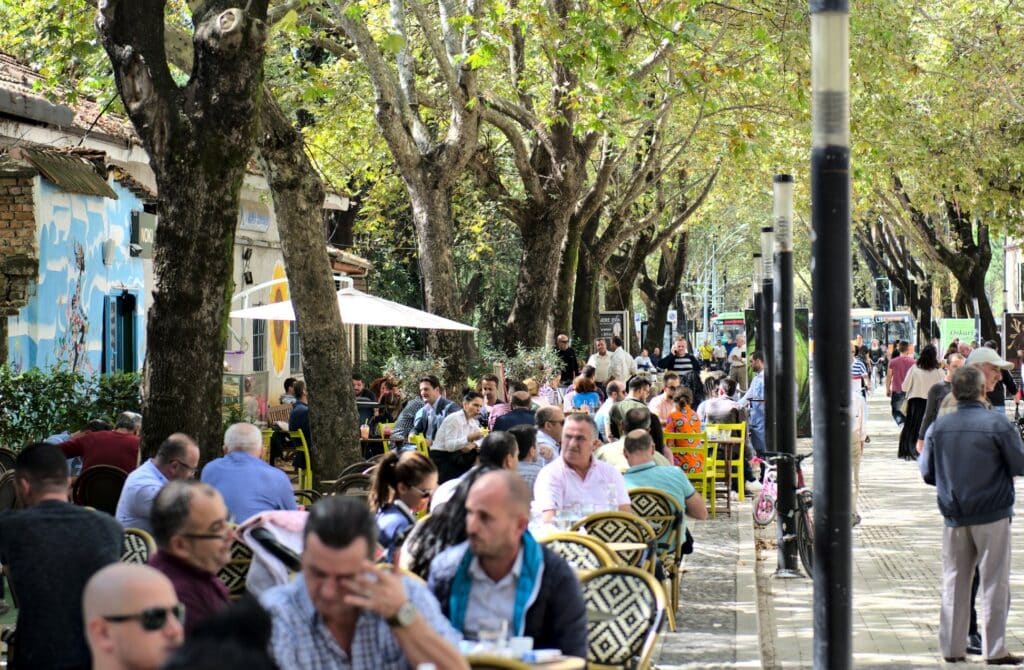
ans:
(514, 488)
(243, 437)
(115, 585)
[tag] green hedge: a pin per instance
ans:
(38, 403)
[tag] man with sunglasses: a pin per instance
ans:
(133, 620)
(51, 549)
(193, 535)
(177, 458)
(345, 612)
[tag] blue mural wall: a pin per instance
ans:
(63, 323)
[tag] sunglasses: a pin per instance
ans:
(423, 494)
(152, 619)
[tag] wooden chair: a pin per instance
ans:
(731, 435)
(614, 527)
(7, 459)
(99, 487)
(8, 491)
(237, 569)
(278, 413)
(665, 515)
(581, 552)
(630, 608)
(137, 547)
(699, 464)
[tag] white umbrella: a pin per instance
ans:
(361, 308)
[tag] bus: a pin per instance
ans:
(886, 327)
(726, 326)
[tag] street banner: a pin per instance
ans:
(955, 329)
(1013, 339)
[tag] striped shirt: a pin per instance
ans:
(858, 369)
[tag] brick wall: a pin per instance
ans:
(19, 258)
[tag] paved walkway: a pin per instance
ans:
(896, 575)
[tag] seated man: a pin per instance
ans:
(502, 573)
(177, 458)
(530, 464)
(722, 408)
(520, 414)
(249, 484)
(643, 471)
(549, 432)
(133, 620)
(576, 477)
(613, 453)
(118, 447)
(638, 390)
(193, 536)
(345, 612)
(52, 548)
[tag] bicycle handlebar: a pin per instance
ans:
(775, 456)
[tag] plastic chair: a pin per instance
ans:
(305, 474)
(698, 463)
(581, 552)
(420, 442)
(611, 527)
(99, 487)
(632, 608)
(736, 431)
(665, 515)
(237, 569)
(137, 547)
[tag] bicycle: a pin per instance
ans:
(765, 505)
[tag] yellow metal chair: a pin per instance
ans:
(381, 429)
(699, 464)
(420, 442)
(305, 474)
(730, 435)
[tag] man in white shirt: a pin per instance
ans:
(601, 361)
(549, 432)
(622, 366)
(577, 478)
(662, 404)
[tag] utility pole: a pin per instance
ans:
(767, 345)
(785, 383)
(830, 274)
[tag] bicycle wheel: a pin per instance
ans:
(764, 510)
(805, 537)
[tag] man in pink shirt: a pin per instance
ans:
(662, 405)
(576, 478)
(898, 368)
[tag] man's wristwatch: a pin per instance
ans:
(404, 616)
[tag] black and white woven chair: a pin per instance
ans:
(625, 611)
(664, 514)
(137, 547)
(622, 527)
(237, 569)
(581, 552)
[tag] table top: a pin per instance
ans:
(559, 663)
(626, 546)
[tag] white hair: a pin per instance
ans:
(243, 437)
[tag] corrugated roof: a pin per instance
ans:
(72, 173)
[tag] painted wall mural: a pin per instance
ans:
(279, 329)
(63, 323)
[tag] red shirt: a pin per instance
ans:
(104, 447)
(899, 367)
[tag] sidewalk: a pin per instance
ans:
(896, 570)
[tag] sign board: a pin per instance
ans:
(1013, 338)
(255, 219)
(614, 324)
(143, 232)
(673, 316)
(955, 329)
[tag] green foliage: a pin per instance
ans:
(407, 371)
(38, 403)
(538, 363)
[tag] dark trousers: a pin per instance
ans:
(451, 464)
(896, 400)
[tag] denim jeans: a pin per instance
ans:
(897, 400)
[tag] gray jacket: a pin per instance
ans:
(971, 457)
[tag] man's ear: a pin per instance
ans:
(97, 632)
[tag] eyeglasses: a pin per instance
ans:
(152, 619)
(222, 534)
(188, 468)
(423, 494)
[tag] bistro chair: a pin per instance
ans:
(698, 463)
(622, 527)
(356, 469)
(420, 442)
(730, 435)
(665, 515)
(137, 547)
(305, 474)
(357, 485)
(99, 487)
(277, 413)
(237, 569)
(581, 552)
(625, 610)
(7, 459)
(8, 491)
(307, 497)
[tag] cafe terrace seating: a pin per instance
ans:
(99, 487)
(625, 610)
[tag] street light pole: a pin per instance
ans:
(785, 384)
(830, 274)
(767, 345)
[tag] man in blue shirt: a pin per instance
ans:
(644, 472)
(177, 458)
(248, 484)
(754, 399)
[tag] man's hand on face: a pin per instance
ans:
(377, 589)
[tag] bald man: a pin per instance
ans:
(133, 620)
(482, 578)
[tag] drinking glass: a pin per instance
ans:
(493, 634)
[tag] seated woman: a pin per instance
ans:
(683, 419)
(401, 486)
(586, 397)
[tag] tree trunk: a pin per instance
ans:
(298, 197)
(657, 318)
(199, 138)
(435, 235)
(585, 305)
(535, 292)
(567, 288)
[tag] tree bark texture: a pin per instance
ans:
(586, 304)
(199, 138)
(663, 291)
(298, 195)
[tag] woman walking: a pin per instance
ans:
(926, 373)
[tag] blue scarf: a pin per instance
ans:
(533, 558)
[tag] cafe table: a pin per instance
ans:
(499, 662)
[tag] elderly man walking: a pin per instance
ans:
(971, 456)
